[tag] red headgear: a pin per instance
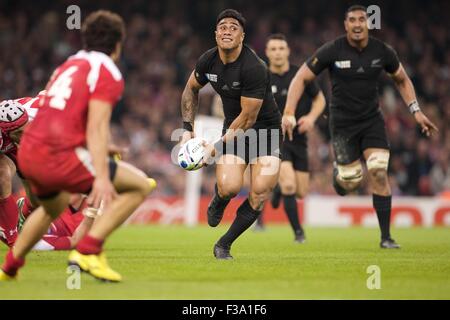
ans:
(12, 115)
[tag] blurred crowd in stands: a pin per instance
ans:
(165, 38)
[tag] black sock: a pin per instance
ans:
(277, 190)
(290, 206)
(245, 217)
(222, 201)
(382, 205)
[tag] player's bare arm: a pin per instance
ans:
(406, 89)
(189, 106)
(306, 123)
(97, 142)
(245, 120)
(295, 92)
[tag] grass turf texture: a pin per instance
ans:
(176, 262)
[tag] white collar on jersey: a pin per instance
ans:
(96, 59)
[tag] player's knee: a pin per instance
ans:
(351, 176)
(260, 187)
(229, 190)
(379, 177)
(378, 161)
(377, 165)
(146, 186)
(260, 192)
(288, 188)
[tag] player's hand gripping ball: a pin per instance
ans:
(191, 154)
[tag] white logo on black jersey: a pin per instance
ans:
(211, 77)
(375, 63)
(236, 85)
(360, 70)
(284, 92)
(345, 64)
(225, 87)
(274, 89)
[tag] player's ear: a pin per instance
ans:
(243, 36)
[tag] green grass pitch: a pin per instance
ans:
(175, 262)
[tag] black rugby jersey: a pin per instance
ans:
(248, 76)
(354, 76)
(280, 85)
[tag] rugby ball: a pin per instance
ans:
(191, 154)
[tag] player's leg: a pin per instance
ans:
(66, 231)
(264, 177)
(276, 197)
(53, 243)
(132, 186)
(288, 185)
(347, 178)
(375, 144)
(347, 171)
(33, 230)
(82, 229)
(9, 213)
(259, 224)
(27, 204)
(288, 154)
(377, 164)
(302, 178)
(298, 175)
(230, 176)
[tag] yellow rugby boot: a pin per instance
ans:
(96, 265)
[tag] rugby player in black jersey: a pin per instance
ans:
(242, 80)
(355, 62)
(294, 175)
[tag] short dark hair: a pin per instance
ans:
(102, 30)
(276, 36)
(355, 7)
(231, 13)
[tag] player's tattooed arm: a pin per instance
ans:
(189, 107)
(406, 89)
(295, 92)
(189, 99)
